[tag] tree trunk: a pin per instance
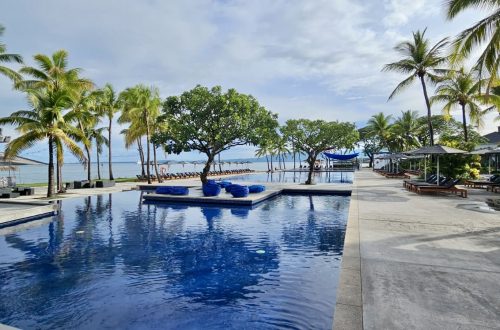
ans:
(272, 166)
(429, 112)
(284, 166)
(148, 151)
(206, 169)
(98, 166)
(220, 166)
(294, 152)
(141, 156)
(310, 160)
(158, 176)
(267, 161)
(50, 187)
(110, 161)
(464, 122)
(60, 178)
(89, 171)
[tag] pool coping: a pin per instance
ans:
(36, 211)
(348, 312)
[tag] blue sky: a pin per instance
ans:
(300, 59)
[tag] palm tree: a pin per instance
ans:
(97, 135)
(141, 105)
(380, 125)
(485, 31)
(405, 130)
(109, 104)
(263, 151)
(8, 58)
(420, 61)
(45, 121)
(463, 89)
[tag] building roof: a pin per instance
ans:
(493, 137)
(18, 161)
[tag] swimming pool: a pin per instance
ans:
(110, 261)
(295, 177)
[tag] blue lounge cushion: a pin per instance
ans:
(239, 191)
(211, 189)
(257, 188)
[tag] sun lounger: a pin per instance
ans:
(495, 179)
(450, 187)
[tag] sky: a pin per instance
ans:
(317, 59)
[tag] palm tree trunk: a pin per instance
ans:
(429, 112)
(110, 162)
(464, 122)
(50, 187)
(148, 150)
(220, 166)
(284, 166)
(59, 177)
(141, 156)
(272, 167)
(158, 176)
(310, 160)
(267, 161)
(294, 153)
(98, 166)
(89, 171)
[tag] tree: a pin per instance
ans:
(420, 61)
(485, 31)
(8, 58)
(463, 89)
(371, 143)
(316, 136)
(44, 121)
(97, 135)
(108, 104)
(405, 131)
(141, 107)
(380, 125)
(211, 121)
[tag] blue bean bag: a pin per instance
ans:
(172, 190)
(211, 181)
(211, 189)
(224, 184)
(258, 188)
(229, 187)
(239, 191)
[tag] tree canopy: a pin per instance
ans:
(211, 121)
(315, 136)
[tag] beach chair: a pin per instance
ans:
(448, 187)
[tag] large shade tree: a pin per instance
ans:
(485, 32)
(211, 121)
(421, 61)
(316, 136)
(8, 58)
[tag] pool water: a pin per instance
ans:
(110, 261)
(295, 177)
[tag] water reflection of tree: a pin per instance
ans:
(56, 266)
(308, 232)
(210, 264)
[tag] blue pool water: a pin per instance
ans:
(296, 177)
(109, 262)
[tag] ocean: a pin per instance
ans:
(71, 172)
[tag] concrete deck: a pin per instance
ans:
(418, 261)
(14, 212)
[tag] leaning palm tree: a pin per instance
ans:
(109, 105)
(45, 121)
(462, 88)
(97, 135)
(8, 58)
(486, 31)
(421, 61)
(141, 106)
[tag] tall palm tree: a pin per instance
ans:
(44, 121)
(8, 58)
(421, 61)
(109, 104)
(486, 31)
(263, 150)
(462, 88)
(142, 105)
(380, 125)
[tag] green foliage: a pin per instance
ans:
(8, 58)
(211, 121)
(315, 136)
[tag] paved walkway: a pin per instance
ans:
(418, 262)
